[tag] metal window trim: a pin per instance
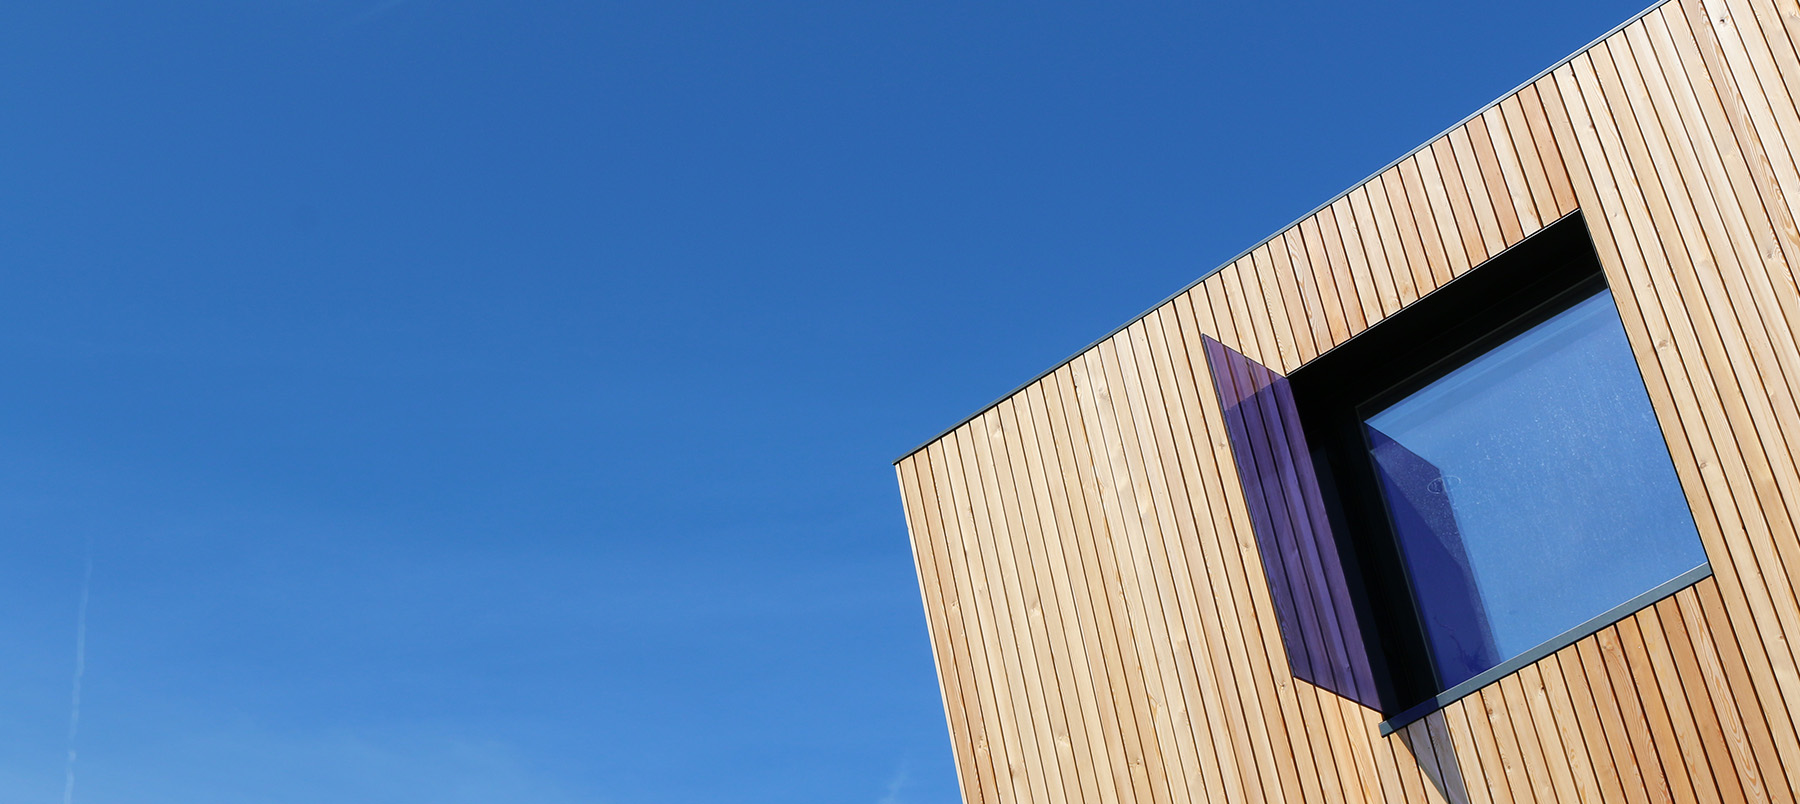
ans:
(1593, 626)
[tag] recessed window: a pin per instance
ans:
(1528, 486)
(1463, 486)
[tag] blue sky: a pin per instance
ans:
(469, 401)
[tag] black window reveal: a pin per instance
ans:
(1464, 484)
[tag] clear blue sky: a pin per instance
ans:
(471, 401)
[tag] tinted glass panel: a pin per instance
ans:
(1530, 490)
(1300, 557)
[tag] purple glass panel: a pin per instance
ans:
(1353, 654)
(1419, 505)
(1280, 551)
(1299, 553)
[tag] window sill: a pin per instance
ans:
(1563, 640)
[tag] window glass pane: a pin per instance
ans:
(1531, 490)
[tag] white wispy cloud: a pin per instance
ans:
(894, 784)
(81, 614)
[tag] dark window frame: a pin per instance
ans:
(1541, 276)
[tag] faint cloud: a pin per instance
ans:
(893, 786)
(230, 760)
(81, 616)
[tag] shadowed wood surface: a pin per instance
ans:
(1098, 611)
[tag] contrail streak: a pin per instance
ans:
(87, 582)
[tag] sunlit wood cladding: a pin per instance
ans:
(1097, 607)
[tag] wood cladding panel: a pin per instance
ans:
(1098, 612)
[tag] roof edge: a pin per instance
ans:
(1280, 230)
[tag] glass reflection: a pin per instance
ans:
(1530, 490)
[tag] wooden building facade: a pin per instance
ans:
(1100, 606)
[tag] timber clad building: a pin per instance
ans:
(1478, 484)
